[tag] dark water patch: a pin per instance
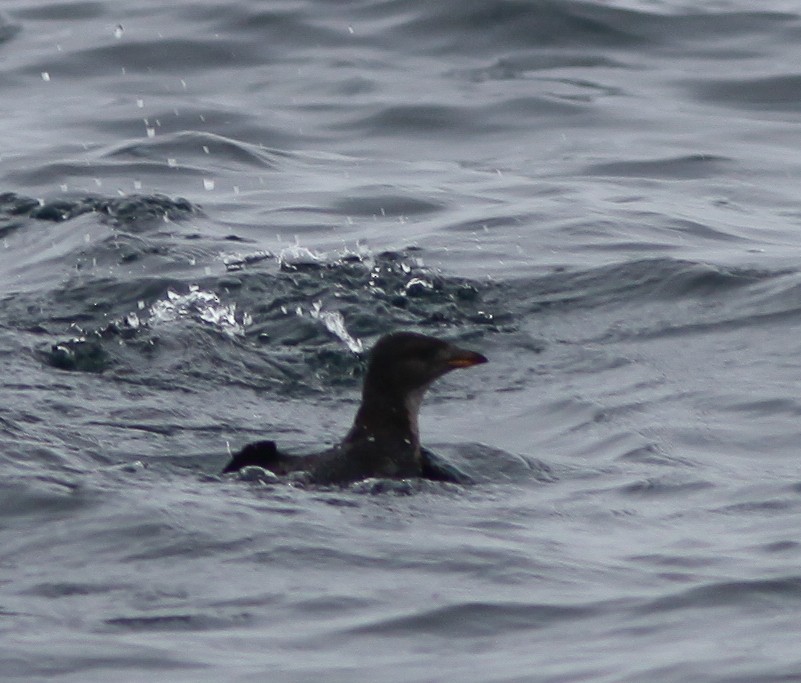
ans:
(665, 486)
(352, 87)
(516, 112)
(313, 550)
(409, 119)
(782, 547)
(682, 561)
(50, 497)
(652, 454)
(696, 229)
(86, 306)
(770, 93)
(689, 167)
(12, 204)
(766, 407)
(180, 56)
(63, 11)
(454, 122)
(323, 606)
(524, 64)
(292, 28)
(128, 210)
(490, 222)
(759, 507)
(383, 204)
(179, 622)
(161, 540)
(486, 464)
(578, 90)
(59, 660)
(647, 279)
(71, 589)
(478, 619)
(8, 29)
(78, 354)
(758, 593)
(484, 24)
(708, 324)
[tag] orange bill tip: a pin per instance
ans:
(467, 359)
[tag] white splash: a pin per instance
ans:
(362, 252)
(416, 284)
(335, 324)
(298, 255)
(201, 305)
(239, 260)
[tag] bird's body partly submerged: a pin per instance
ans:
(384, 440)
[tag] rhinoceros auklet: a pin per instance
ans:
(384, 440)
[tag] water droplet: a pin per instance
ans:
(205, 149)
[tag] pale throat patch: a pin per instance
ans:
(413, 402)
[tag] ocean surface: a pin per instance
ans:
(210, 210)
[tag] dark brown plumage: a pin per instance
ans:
(384, 440)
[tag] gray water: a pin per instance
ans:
(205, 208)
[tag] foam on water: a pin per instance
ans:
(199, 304)
(335, 324)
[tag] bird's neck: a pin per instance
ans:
(388, 415)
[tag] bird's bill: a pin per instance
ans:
(462, 358)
